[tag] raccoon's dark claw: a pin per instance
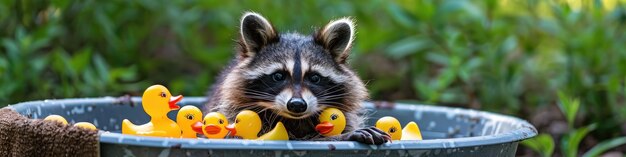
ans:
(370, 135)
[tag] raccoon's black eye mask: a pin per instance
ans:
(315, 79)
(268, 84)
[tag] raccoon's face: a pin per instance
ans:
(293, 75)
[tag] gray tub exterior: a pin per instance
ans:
(447, 132)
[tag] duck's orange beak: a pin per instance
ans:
(232, 129)
(173, 102)
(197, 127)
(324, 127)
(212, 129)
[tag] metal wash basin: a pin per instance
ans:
(447, 132)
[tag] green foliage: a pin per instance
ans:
(571, 141)
(542, 143)
(604, 146)
(508, 56)
(569, 107)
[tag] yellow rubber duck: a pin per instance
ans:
(157, 102)
(332, 122)
(215, 125)
(391, 126)
(62, 120)
(57, 118)
(189, 119)
(411, 132)
(248, 125)
(86, 125)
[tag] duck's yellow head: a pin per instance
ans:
(86, 125)
(157, 101)
(57, 118)
(391, 126)
(215, 125)
(189, 119)
(332, 122)
(247, 125)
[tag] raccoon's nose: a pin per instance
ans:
(296, 105)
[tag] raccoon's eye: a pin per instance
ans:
(315, 78)
(278, 77)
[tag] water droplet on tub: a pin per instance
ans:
(38, 110)
(431, 125)
(78, 110)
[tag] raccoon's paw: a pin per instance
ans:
(370, 135)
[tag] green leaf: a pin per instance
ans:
(571, 141)
(81, 59)
(101, 68)
(569, 107)
(407, 46)
(124, 74)
(604, 146)
(61, 64)
(542, 144)
(400, 15)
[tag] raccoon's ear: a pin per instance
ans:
(337, 37)
(256, 32)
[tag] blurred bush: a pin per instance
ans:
(508, 56)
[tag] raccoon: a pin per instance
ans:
(291, 77)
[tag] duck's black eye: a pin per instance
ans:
(392, 130)
(163, 94)
(315, 78)
(236, 120)
(204, 122)
(333, 117)
(278, 76)
(221, 121)
(189, 116)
